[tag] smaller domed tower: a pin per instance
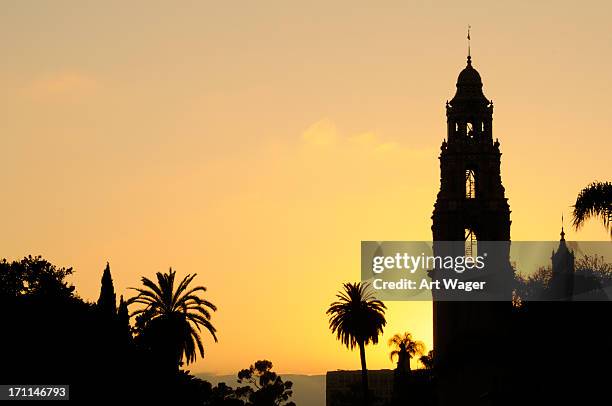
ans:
(561, 286)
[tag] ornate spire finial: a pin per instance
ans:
(469, 58)
(562, 232)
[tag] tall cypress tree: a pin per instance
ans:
(107, 303)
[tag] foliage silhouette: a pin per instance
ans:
(594, 201)
(55, 337)
(591, 275)
(171, 319)
(107, 303)
(53, 331)
(223, 395)
(34, 276)
(405, 347)
(532, 285)
(263, 387)
(427, 360)
(357, 319)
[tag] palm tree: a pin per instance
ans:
(357, 319)
(405, 347)
(594, 201)
(171, 320)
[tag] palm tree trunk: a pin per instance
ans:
(364, 374)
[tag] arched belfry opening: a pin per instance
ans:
(470, 184)
(471, 130)
(471, 243)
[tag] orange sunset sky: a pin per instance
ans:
(257, 143)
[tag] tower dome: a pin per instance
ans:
(469, 87)
(469, 76)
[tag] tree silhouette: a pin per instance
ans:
(405, 347)
(50, 331)
(123, 322)
(34, 277)
(594, 201)
(223, 395)
(107, 303)
(532, 286)
(263, 387)
(357, 319)
(171, 319)
(428, 360)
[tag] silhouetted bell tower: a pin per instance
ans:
(471, 206)
(471, 202)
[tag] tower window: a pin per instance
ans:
(470, 184)
(470, 130)
(471, 243)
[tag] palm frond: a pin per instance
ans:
(153, 287)
(181, 288)
(180, 313)
(594, 201)
(356, 317)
